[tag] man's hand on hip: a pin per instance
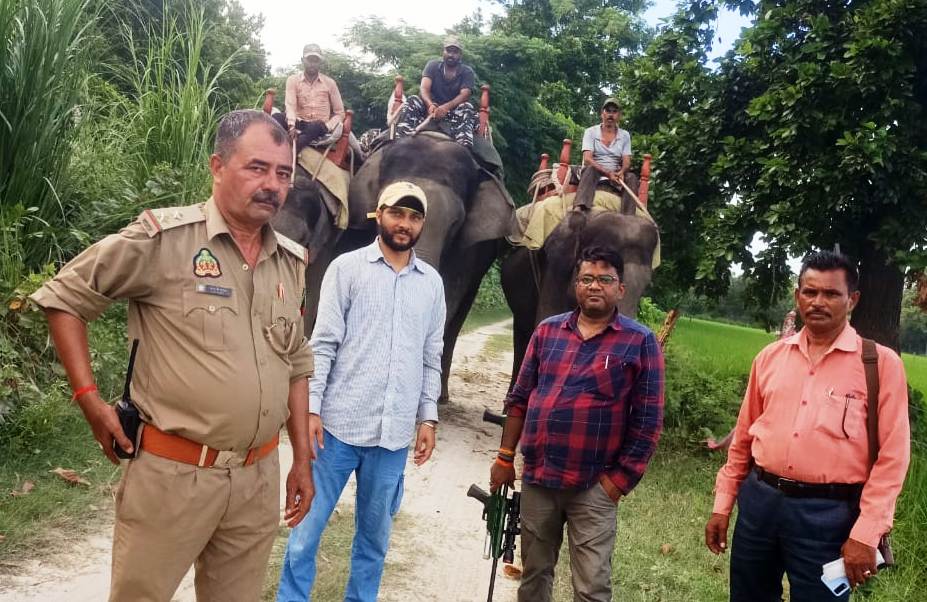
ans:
(316, 435)
(859, 561)
(716, 532)
(105, 426)
(424, 443)
(299, 493)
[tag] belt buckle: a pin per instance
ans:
(782, 481)
(229, 459)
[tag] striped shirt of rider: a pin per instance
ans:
(377, 342)
(807, 422)
(608, 156)
(316, 100)
(591, 407)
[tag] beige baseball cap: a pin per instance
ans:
(611, 101)
(403, 194)
(312, 50)
(452, 40)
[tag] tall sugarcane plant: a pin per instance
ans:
(43, 61)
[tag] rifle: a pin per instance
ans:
(501, 513)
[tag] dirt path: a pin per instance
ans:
(437, 556)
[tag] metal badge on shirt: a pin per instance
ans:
(211, 289)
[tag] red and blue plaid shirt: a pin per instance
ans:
(591, 407)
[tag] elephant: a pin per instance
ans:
(537, 284)
(308, 217)
(469, 212)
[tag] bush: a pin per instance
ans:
(490, 296)
(700, 402)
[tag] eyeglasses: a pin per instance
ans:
(603, 280)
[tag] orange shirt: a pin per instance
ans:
(313, 100)
(808, 423)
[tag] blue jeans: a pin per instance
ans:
(776, 534)
(379, 493)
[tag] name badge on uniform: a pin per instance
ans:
(211, 289)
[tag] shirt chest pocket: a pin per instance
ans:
(209, 317)
(283, 334)
(600, 374)
(842, 415)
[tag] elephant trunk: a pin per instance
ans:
(636, 280)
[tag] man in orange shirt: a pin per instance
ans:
(313, 103)
(799, 463)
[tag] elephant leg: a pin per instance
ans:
(314, 274)
(521, 293)
(462, 272)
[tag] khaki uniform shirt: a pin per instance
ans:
(219, 341)
(313, 100)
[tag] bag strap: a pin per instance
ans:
(871, 366)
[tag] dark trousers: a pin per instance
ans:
(776, 534)
(309, 131)
(461, 120)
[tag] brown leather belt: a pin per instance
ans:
(792, 488)
(180, 449)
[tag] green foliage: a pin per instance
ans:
(489, 296)
(589, 39)
(707, 364)
(825, 142)
(649, 314)
(232, 40)
(671, 108)
(913, 326)
(43, 62)
(173, 108)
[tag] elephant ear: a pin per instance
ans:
(491, 215)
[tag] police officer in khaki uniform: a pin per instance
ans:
(215, 299)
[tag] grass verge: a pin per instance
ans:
(479, 318)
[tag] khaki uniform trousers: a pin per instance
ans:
(170, 515)
(591, 519)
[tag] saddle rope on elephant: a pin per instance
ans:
(535, 221)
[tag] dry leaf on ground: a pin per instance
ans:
(511, 571)
(667, 549)
(70, 476)
(2, 537)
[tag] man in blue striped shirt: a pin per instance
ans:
(377, 343)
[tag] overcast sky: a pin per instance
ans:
(289, 24)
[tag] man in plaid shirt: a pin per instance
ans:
(587, 409)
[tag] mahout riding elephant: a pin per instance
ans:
(537, 284)
(469, 212)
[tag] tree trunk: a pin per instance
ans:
(881, 285)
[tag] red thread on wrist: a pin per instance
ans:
(83, 391)
(505, 463)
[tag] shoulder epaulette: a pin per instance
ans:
(301, 252)
(155, 221)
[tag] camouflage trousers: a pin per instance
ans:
(461, 120)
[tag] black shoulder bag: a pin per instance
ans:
(871, 366)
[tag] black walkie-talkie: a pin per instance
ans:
(128, 415)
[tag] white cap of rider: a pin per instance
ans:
(404, 194)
